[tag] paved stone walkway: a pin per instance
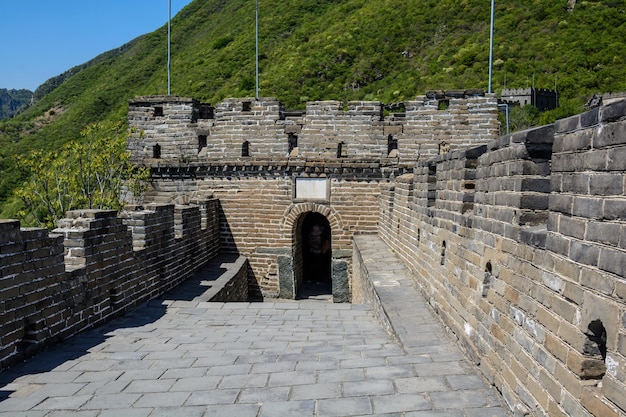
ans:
(300, 358)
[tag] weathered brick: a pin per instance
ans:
(590, 118)
(555, 410)
(542, 134)
(575, 141)
(561, 203)
(584, 253)
(567, 124)
(571, 335)
(577, 183)
(606, 184)
(602, 232)
(568, 380)
(610, 135)
(596, 160)
(612, 260)
(614, 209)
(573, 408)
(572, 226)
(556, 347)
(592, 399)
(613, 390)
(588, 207)
(621, 344)
(613, 111)
(585, 367)
(616, 159)
(598, 308)
(557, 244)
(534, 201)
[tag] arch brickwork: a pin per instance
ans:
(294, 212)
(290, 266)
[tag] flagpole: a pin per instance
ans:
(257, 49)
(169, 32)
(491, 44)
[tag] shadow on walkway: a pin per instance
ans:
(149, 312)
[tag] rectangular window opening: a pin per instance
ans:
(342, 152)
(245, 149)
(293, 142)
(205, 111)
(432, 185)
(202, 142)
(156, 151)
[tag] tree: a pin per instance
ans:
(524, 117)
(95, 173)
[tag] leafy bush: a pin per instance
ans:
(90, 175)
(222, 42)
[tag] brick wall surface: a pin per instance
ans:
(260, 218)
(520, 249)
(187, 132)
(95, 265)
(353, 146)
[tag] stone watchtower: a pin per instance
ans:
(285, 177)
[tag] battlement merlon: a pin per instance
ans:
(170, 131)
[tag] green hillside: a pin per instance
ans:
(332, 49)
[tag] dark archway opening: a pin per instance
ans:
(316, 256)
(596, 340)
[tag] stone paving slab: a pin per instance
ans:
(296, 358)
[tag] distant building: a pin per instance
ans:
(541, 98)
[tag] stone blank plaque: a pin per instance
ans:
(311, 189)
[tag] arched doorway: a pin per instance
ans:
(314, 241)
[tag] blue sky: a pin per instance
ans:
(40, 39)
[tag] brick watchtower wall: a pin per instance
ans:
(520, 247)
(441, 122)
(251, 153)
(240, 121)
(175, 131)
(330, 132)
(95, 265)
(164, 127)
(261, 215)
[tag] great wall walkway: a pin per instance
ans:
(180, 356)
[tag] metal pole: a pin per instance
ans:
(169, 39)
(491, 44)
(257, 50)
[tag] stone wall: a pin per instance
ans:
(94, 266)
(520, 247)
(261, 217)
(232, 284)
(251, 153)
(173, 130)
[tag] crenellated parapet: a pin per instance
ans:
(519, 246)
(174, 131)
(97, 264)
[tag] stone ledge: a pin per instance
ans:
(223, 279)
(389, 289)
